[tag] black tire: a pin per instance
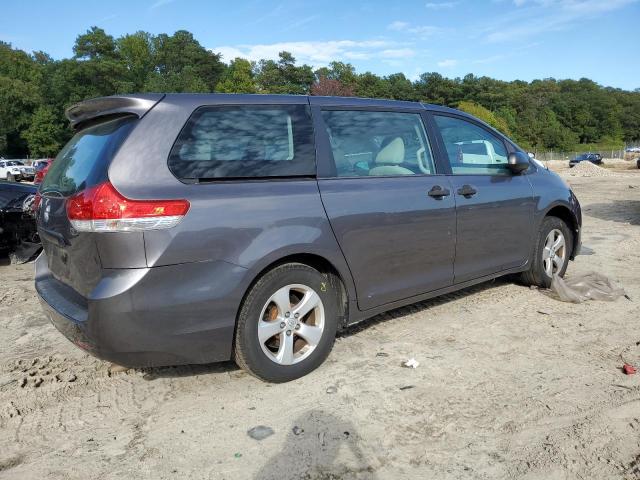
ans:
(536, 274)
(248, 351)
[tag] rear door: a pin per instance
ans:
(392, 214)
(494, 206)
(73, 257)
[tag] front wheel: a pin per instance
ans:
(287, 323)
(552, 252)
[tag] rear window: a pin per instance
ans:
(83, 162)
(245, 142)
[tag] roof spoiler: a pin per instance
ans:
(99, 107)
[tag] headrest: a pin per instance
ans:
(392, 153)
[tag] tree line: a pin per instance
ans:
(35, 90)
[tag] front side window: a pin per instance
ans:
(472, 149)
(244, 142)
(368, 143)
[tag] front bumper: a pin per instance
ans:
(173, 315)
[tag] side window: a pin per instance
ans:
(367, 143)
(472, 149)
(243, 142)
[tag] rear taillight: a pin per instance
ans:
(103, 209)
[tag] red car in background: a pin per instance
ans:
(42, 167)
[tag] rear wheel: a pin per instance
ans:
(551, 255)
(287, 323)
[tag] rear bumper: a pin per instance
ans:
(171, 315)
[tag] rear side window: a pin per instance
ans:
(83, 162)
(245, 142)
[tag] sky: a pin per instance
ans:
(504, 39)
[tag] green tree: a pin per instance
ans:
(238, 78)
(45, 134)
(485, 115)
(35, 89)
(370, 85)
(284, 76)
(401, 88)
(95, 43)
(136, 51)
(20, 95)
(183, 65)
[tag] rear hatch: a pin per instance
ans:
(73, 256)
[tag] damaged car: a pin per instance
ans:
(19, 239)
(15, 171)
(181, 229)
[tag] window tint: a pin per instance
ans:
(83, 161)
(472, 149)
(245, 141)
(366, 143)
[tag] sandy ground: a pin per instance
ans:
(511, 384)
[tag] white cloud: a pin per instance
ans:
(441, 5)
(448, 63)
(160, 3)
(541, 16)
(398, 26)
(397, 53)
(422, 31)
(318, 53)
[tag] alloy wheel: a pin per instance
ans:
(554, 252)
(291, 324)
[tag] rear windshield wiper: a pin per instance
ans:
(54, 192)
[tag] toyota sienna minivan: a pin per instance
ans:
(186, 228)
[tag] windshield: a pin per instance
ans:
(83, 162)
(14, 164)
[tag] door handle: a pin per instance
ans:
(467, 191)
(438, 192)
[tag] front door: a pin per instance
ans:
(393, 216)
(494, 207)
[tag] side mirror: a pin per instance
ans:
(518, 162)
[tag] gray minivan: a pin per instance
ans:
(187, 228)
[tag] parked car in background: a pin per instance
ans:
(42, 167)
(187, 228)
(17, 223)
(594, 158)
(15, 171)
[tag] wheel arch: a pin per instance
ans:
(342, 280)
(564, 213)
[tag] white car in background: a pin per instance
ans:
(15, 170)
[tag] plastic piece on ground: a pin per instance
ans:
(411, 363)
(260, 432)
(629, 369)
(590, 286)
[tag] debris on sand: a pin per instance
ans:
(332, 389)
(411, 363)
(260, 432)
(115, 368)
(590, 286)
(629, 369)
